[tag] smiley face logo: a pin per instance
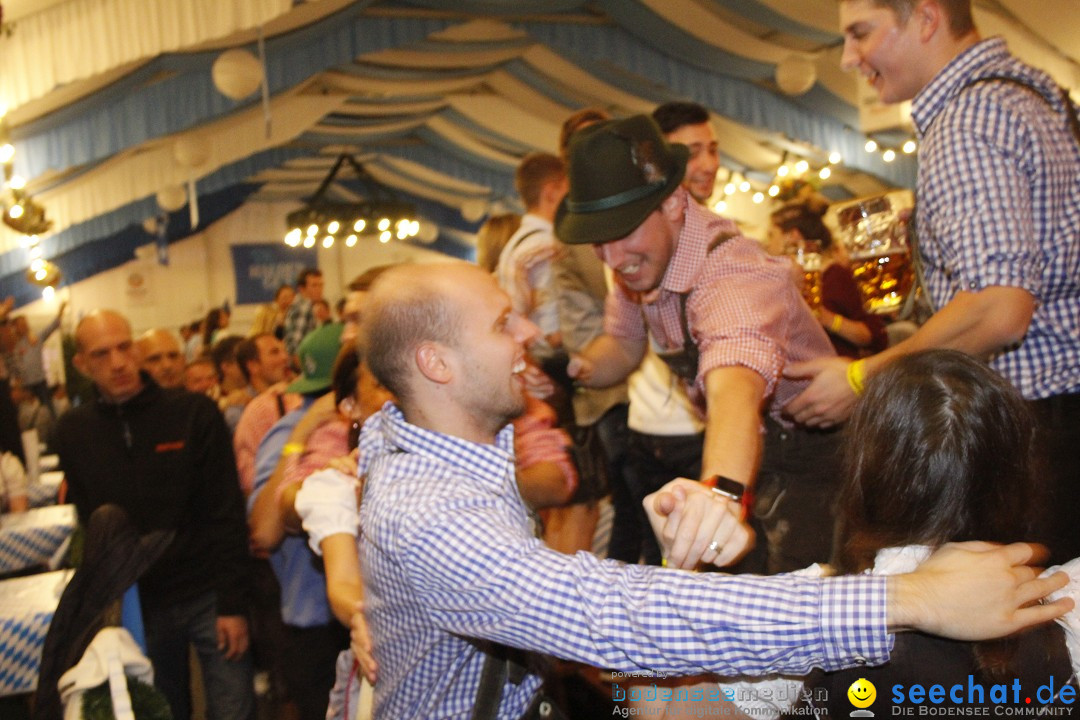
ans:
(862, 693)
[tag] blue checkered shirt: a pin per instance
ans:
(299, 321)
(448, 555)
(999, 204)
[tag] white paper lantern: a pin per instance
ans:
(473, 210)
(191, 150)
(237, 73)
(796, 74)
(429, 232)
(172, 198)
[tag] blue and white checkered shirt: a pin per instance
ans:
(448, 555)
(999, 204)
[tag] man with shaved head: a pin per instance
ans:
(165, 457)
(451, 565)
(162, 357)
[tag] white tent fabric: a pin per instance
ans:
(440, 98)
(78, 39)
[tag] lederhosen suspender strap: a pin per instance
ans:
(1066, 99)
(684, 361)
(1074, 126)
(500, 663)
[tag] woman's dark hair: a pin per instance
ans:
(940, 448)
(345, 374)
(807, 220)
(212, 323)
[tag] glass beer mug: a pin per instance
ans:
(877, 243)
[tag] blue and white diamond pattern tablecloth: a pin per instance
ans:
(44, 491)
(27, 605)
(33, 537)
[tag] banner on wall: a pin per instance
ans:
(262, 268)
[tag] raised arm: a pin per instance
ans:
(607, 361)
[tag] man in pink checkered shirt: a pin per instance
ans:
(723, 314)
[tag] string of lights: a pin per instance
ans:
(24, 215)
(381, 214)
(789, 176)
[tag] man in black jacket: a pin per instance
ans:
(165, 456)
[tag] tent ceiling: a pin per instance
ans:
(439, 99)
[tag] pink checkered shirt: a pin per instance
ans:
(743, 309)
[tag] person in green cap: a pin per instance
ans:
(311, 631)
(722, 314)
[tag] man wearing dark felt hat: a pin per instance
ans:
(724, 316)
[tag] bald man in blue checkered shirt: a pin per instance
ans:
(451, 563)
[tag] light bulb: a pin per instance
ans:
(870, 146)
(888, 155)
(333, 227)
(910, 147)
(835, 158)
(825, 173)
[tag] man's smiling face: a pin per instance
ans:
(882, 49)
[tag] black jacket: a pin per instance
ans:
(166, 457)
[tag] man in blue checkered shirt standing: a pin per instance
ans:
(998, 222)
(451, 564)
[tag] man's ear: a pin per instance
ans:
(432, 362)
(674, 206)
(79, 361)
(931, 18)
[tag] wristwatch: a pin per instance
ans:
(732, 490)
(725, 486)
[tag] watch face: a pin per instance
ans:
(727, 487)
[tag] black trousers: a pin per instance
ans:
(1059, 433)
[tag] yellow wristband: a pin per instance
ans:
(856, 373)
(837, 321)
(292, 449)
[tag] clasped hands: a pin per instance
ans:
(696, 525)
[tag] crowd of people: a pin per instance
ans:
(407, 498)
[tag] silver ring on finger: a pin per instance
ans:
(714, 546)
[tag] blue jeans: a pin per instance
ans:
(230, 693)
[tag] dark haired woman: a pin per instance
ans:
(852, 330)
(216, 321)
(940, 449)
